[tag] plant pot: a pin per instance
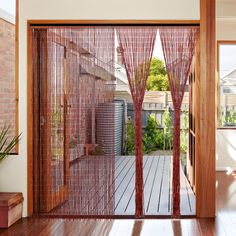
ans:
(11, 205)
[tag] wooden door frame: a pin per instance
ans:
(206, 112)
(43, 23)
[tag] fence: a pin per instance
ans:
(156, 109)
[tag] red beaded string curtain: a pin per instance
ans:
(96, 117)
(178, 45)
(136, 44)
(76, 104)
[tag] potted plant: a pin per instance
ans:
(7, 146)
(10, 203)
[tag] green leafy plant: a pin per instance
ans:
(157, 79)
(153, 135)
(184, 133)
(157, 67)
(168, 131)
(6, 145)
(158, 83)
(130, 141)
(229, 119)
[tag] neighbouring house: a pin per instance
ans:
(228, 90)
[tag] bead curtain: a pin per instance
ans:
(137, 44)
(178, 45)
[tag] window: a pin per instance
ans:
(8, 80)
(227, 84)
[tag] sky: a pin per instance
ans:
(8, 5)
(158, 49)
(157, 52)
(227, 59)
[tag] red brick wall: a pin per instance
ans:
(7, 75)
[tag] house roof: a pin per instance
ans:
(7, 16)
(229, 80)
(231, 74)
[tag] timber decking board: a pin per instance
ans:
(157, 189)
(84, 196)
(149, 186)
(164, 203)
(185, 206)
(124, 192)
(124, 201)
(191, 194)
(148, 174)
(154, 198)
(119, 168)
(132, 198)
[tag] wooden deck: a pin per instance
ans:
(88, 198)
(157, 187)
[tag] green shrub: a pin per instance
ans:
(229, 119)
(168, 131)
(184, 133)
(130, 141)
(153, 135)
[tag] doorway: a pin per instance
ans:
(78, 162)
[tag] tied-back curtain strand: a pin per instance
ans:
(137, 45)
(178, 45)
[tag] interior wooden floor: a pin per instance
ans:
(87, 198)
(223, 224)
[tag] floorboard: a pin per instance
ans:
(125, 191)
(148, 180)
(152, 188)
(164, 204)
(223, 225)
(130, 207)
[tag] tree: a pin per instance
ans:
(157, 79)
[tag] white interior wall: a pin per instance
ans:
(225, 8)
(226, 29)
(226, 139)
(13, 172)
(109, 9)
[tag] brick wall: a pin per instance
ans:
(7, 75)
